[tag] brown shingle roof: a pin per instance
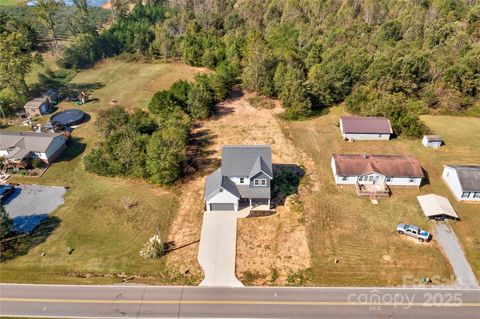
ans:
(367, 125)
(388, 165)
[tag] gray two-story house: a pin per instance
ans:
(243, 180)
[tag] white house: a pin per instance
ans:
(372, 174)
(463, 181)
(17, 146)
(433, 141)
(243, 180)
(365, 128)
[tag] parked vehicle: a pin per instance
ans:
(413, 231)
(5, 191)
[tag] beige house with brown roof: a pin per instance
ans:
(357, 128)
(374, 173)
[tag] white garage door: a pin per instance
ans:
(222, 206)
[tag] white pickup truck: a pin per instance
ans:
(413, 231)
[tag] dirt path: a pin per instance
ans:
(268, 248)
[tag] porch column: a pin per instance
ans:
(250, 202)
(269, 203)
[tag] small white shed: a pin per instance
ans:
(436, 207)
(433, 141)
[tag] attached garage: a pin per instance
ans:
(222, 206)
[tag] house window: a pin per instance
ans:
(370, 178)
(242, 180)
(260, 182)
(360, 179)
(411, 180)
(389, 178)
(476, 195)
(344, 178)
(465, 195)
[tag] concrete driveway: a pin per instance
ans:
(30, 204)
(217, 250)
(461, 268)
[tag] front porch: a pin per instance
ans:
(246, 207)
(378, 190)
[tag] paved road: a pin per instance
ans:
(202, 302)
(461, 268)
(217, 250)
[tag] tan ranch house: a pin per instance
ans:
(373, 174)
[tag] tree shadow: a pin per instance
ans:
(286, 181)
(12, 196)
(171, 246)
(222, 109)
(75, 147)
(21, 244)
(198, 155)
(64, 88)
(83, 86)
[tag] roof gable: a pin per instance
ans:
(245, 160)
(216, 182)
(32, 141)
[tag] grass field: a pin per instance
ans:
(362, 235)
(106, 236)
(10, 3)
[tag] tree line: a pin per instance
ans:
(153, 145)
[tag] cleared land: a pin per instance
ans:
(94, 221)
(12, 2)
(360, 235)
(269, 248)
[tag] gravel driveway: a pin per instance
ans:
(30, 204)
(461, 268)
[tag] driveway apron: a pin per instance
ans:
(450, 245)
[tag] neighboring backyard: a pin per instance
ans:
(105, 221)
(361, 236)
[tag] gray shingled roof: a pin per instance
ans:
(215, 181)
(243, 160)
(468, 176)
(256, 192)
(32, 141)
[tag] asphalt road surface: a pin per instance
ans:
(202, 302)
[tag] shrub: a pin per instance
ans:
(37, 163)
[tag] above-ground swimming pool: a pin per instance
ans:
(69, 117)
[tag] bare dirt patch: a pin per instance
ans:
(271, 247)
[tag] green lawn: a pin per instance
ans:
(11, 3)
(362, 235)
(106, 236)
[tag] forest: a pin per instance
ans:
(392, 58)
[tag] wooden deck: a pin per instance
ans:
(378, 190)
